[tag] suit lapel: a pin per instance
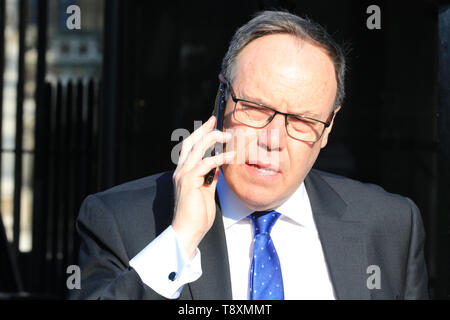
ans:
(215, 283)
(341, 239)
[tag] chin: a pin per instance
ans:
(259, 202)
(256, 196)
(258, 192)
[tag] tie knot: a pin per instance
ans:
(263, 221)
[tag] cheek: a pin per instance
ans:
(301, 157)
(244, 139)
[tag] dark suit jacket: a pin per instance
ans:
(359, 225)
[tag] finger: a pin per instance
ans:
(190, 141)
(199, 149)
(205, 165)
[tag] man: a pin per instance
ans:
(268, 227)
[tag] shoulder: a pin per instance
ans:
(136, 212)
(152, 181)
(381, 213)
(352, 190)
(132, 199)
(363, 198)
(136, 189)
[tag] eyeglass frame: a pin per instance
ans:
(275, 112)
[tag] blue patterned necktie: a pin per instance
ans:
(266, 281)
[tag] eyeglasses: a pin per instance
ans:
(298, 126)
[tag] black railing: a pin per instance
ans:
(68, 170)
(7, 282)
(2, 66)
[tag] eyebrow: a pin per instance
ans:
(305, 113)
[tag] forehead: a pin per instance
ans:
(285, 69)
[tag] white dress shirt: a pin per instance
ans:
(303, 266)
(295, 237)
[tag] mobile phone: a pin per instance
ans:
(218, 112)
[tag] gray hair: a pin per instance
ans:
(280, 22)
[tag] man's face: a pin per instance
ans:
(291, 76)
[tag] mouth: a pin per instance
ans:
(263, 169)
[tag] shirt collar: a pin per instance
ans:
(297, 207)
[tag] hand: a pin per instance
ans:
(195, 205)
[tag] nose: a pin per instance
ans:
(273, 136)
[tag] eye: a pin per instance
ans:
(250, 107)
(302, 124)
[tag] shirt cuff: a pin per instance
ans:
(164, 266)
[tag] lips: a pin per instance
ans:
(264, 168)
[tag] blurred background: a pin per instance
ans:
(82, 110)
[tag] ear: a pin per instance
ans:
(324, 140)
(222, 78)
